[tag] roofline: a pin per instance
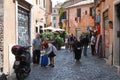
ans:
(78, 5)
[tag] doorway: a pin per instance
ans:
(105, 35)
(116, 28)
(23, 27)
(78, 33)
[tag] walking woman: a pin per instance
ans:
(50, 50)
(77, 48)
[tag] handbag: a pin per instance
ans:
(52, 54)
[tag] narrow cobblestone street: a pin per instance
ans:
(90, 68)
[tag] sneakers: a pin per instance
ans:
(51, 65)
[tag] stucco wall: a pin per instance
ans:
(116, 40)
(107, 5)
(9, 30)
(86, 20)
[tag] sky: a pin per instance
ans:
(54, 2)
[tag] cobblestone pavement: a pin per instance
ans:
(90, 68)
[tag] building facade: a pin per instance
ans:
(20, 20)
(78, 16)
(48, 13)
(116, 33)
(1, 34)
(55, 16)
(107, 16)
(41, 12)
(17, 30)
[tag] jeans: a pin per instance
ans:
(85, 50)
(93, 49)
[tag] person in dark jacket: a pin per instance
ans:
(85, 44)
(77, 49)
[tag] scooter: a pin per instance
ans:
(22, 61)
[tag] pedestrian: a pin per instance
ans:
(77, 49)
(85, 42)
(93, 44)
(50, 50)
(36, 45)
(66, 43)
(70, 40)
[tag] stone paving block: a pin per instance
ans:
(89, 68)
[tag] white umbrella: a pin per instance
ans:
(58, 29)
(48, 28)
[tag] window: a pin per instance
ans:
(39, 1)
(36, 2)
(54, 25)
(54, 11)
(44, 25)
(91, 11)
(78, 12)
(54, 18)
(41, 31)
(64, 15)
(85, 12)
(36, 29)
(44, 3)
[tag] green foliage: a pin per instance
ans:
(59, 40)
(49, 36)
(63, 34)
(60, 11)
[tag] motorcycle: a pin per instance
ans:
(22, 61)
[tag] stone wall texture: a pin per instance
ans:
(1, 33)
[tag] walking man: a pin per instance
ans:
(36, 49)
(85, 44)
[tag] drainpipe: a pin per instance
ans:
(16, 2)
(68, 21)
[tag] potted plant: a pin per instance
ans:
(59, 42)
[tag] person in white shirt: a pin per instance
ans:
(50, 50)
(92, 45)
(66, 42)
